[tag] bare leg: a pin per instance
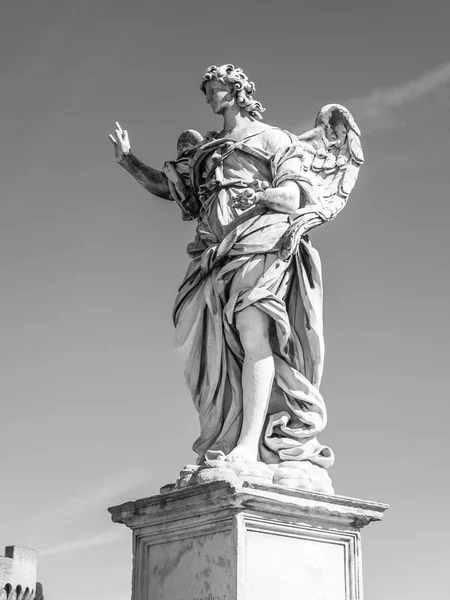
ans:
(257, 379)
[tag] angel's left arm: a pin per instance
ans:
(287, 196)
(285, 199)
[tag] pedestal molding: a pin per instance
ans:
(223, 496)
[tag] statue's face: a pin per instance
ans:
(218, 96)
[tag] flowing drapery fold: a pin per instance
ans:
(232, 248)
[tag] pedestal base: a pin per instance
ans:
(221, 542)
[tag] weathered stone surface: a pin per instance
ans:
(197, 566)
(228, 542)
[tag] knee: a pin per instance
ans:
(253, 328)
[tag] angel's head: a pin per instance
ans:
(227, 85)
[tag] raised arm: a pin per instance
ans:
(152, 180)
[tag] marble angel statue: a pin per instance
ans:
(248, 314)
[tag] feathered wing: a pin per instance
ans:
(330, 157)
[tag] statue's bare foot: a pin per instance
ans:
(242, 453)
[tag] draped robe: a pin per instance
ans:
(232, 248)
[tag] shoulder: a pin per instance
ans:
(274, 139)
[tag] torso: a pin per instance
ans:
(240, 168)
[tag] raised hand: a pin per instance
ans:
(121, 143)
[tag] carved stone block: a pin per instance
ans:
(221, 542)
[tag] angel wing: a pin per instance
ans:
(330, 156)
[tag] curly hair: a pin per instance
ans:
(241, 88)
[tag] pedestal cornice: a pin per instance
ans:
(225, 498)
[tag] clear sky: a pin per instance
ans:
(94, 408)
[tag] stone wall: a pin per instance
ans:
(18, 573)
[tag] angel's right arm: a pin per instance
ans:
(152, 180)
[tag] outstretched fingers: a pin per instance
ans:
(120, 140)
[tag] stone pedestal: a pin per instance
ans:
(220, 542)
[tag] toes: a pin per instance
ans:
(230, 458)
(241, 455)
(236, 457)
